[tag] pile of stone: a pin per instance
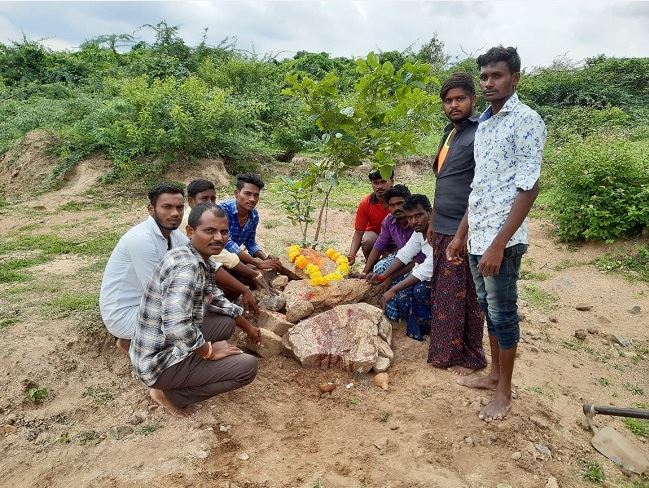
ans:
(325, 326)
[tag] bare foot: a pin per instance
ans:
(161, 399)
(496, 409)
(123, 345)
(480, 382)
(460, 370)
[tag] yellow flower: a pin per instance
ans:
(301, 262)
(342, 259)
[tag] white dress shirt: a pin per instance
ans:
(127, 272)
(416, 244)
(508, 150)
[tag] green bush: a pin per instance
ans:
(602, 189)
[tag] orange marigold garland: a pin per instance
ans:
(313, 270)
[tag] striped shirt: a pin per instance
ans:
(180, 291)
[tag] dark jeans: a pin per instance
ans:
(498, 295)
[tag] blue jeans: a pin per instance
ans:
(498, 295)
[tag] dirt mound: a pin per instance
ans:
(85, 175)
(209, 169)
(26, 165)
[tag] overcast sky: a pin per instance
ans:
(542, 30)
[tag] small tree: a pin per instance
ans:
(380, 120)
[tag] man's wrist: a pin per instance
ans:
(499, 244)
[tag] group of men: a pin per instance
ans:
(169, 298)
(168, 291)
(448, 267)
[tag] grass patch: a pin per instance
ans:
(528, 274)
(147, 429)
(68, 303)
(572, 344)
(538, 298)
(565, 264)
(49, 245)
(634, 266)
(101, 396)
(6, 322)
(638, 426)
(86, 436)
(10, 268)
(591, 471)
(384, 416)
(633, 389)
(75, 206)
(38, 395)
(602, 382)
(534, 389)
(272, 223)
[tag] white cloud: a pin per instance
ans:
(541, 30)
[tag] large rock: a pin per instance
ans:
(299, 310)
(280, 282)
(273, 321)
(271, 344)
(349, 337)
(323, 298)
(269, 301)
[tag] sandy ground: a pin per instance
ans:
(277, 432)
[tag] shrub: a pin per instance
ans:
(602, 189)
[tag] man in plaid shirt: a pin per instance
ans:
(179, 348)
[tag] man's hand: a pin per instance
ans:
(351, 259)
(223, 349)
(430, 234)
(261, 281)
(491, 260)
(273, 263)
(249, 302)
(375, 278)
(387, 296)
(456, 250)
(253, 333)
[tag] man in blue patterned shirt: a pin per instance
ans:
(508, 150)
(179, 347)
(244, 218)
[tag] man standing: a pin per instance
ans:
(414, 289)
(456, 318)
(508, 150)
(135, 256)
(370, 214)
(179, 346)
(243, 219)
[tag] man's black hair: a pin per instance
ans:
(198, 211)
(161, 188)
(458, 80)
(252, 178)
(198, 186)
(375, 174)
(396, 191)
(499, 53)
(413, 201)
